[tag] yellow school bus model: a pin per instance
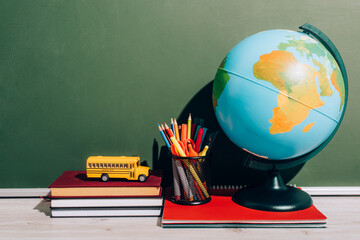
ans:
(116, 167)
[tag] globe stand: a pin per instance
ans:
(273, 195)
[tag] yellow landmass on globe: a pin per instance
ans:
(297, 85)
(325, 89)
(338, 83)
(308, 127)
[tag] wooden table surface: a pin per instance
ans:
(28, 218)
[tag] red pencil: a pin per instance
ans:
(169, 131)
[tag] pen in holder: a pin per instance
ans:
(190, 185)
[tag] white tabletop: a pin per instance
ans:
(28, 218)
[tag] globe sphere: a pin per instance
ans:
(279, 94)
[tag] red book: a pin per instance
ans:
(76, 184)
(221, 211)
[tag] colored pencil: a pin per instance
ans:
(176, 127)
(172, 126)
(169, 131)
(164, 137)
(166, 134)
(189, 127)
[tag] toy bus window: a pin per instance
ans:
(117, 165)
(126, 165)
(89, 165)
(105, 165)
(97, 165)
(101, 165)
(132, 166)
(121, 165)
(93, 165)
(138, 163)
(113, 165)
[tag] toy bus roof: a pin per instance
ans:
(112, 159)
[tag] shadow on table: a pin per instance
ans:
(44, 207)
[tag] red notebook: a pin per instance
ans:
(221, 211)
(76, 184)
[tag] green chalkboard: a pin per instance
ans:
(82, 78)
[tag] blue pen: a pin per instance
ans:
(165, 139)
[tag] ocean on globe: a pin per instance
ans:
(279, 94)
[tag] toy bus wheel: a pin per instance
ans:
(142, 178)
(104, 177)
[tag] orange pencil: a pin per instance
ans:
(183, 132)
(176, 127)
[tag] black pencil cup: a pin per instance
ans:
(190, 180)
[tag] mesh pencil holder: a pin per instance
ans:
(190, 180)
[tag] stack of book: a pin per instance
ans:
(223, 212)
(73, 195)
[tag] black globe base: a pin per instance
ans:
(274, 195)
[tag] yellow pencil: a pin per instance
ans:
(189, 127)
(176, 127)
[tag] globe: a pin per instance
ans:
(280, 95)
